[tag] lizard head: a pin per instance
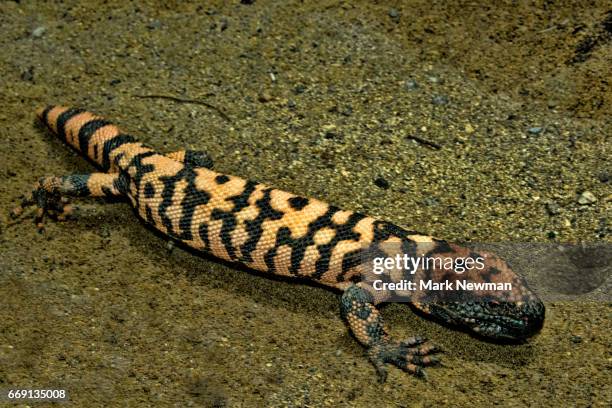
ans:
(488, 299)
(496, 320)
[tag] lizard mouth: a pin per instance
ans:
(505, 321)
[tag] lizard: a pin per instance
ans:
(277, 232)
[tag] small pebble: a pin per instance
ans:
(105, 233)
(265, 97)
(604, 176)
(434, 79)
(430, 202)
(382, 183)
(347, 111)
(291, 104)
(394, 14)
(28, 74)
(39, 31)
(329, 131)
(299, 89)
(587, 198)
(535, 130)
(411, 84)
(170, 245)
(576, 339)
(552, 208)
(440, 100)
(154, 24)
(602, 228)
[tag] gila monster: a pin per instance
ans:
(276, 232)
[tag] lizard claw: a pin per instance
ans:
(411, 355)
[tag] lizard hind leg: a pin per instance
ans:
(366, 324)
(194, 158)
(51, 195)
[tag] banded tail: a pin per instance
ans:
(89, 134)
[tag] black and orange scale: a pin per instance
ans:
(277, 232)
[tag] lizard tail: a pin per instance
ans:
(89, 134)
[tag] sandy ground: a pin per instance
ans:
(334, 101)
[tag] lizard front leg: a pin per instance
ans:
(366, 324)
(51, 194)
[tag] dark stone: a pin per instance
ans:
(576, 339)
(382, 183)
(28, 74)
(299, 89)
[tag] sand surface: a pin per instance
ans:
(329, 99)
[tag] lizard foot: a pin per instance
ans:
(48, 200)
(411, 355)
